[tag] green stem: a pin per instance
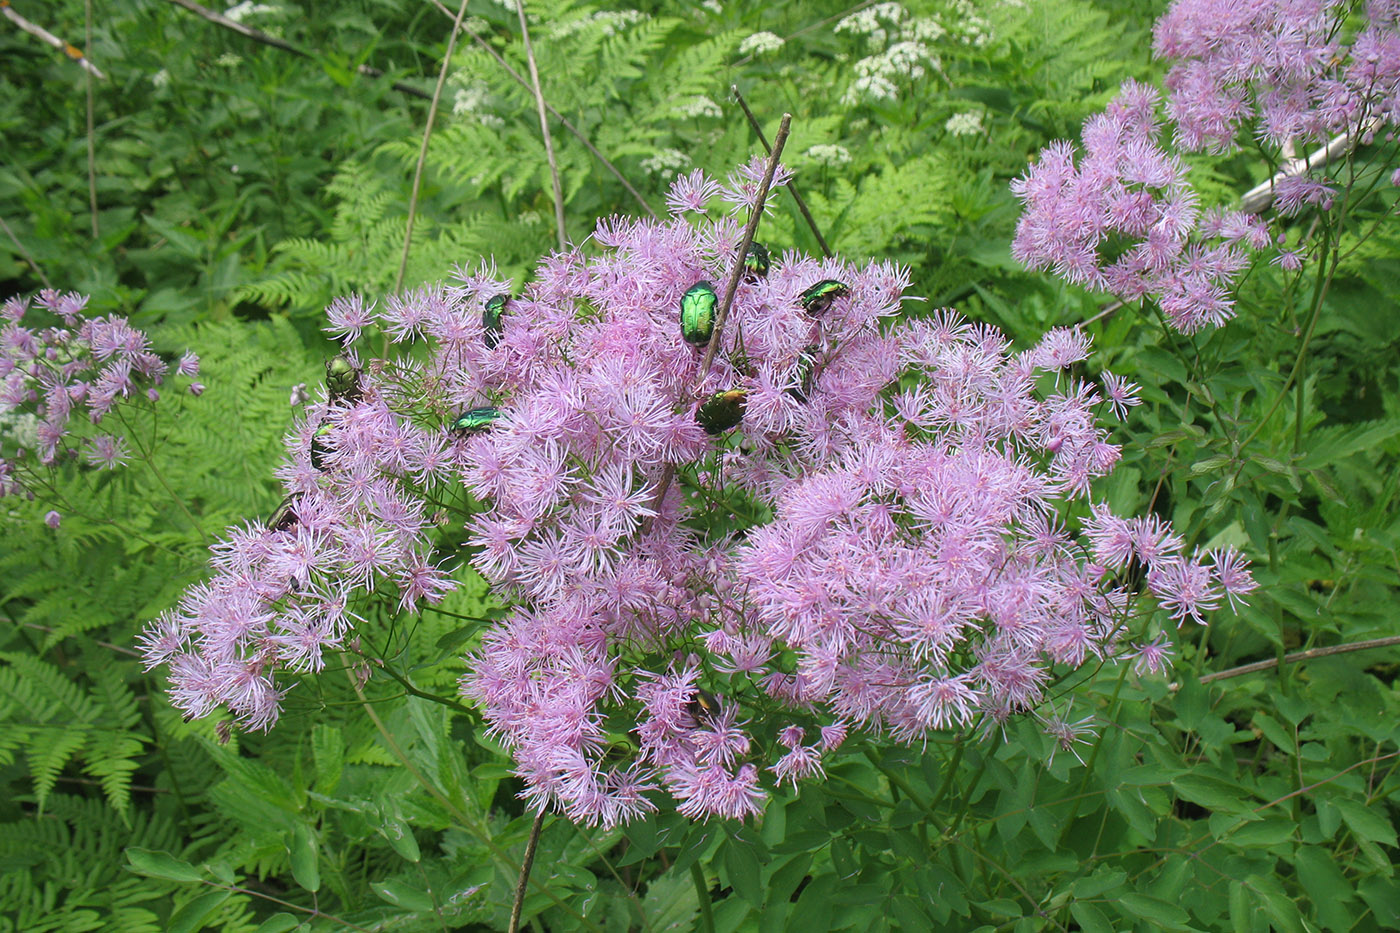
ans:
(1093, 757)
(702, 892)
(1324, 281)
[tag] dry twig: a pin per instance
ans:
(792, 190)
(730, 287)
(34, 29)
(423, 149)
(258, 35)
(1297, 656)
(563, 120)
(544, 127)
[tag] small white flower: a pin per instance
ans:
(700, 107)
(229, 60)
(665, 163)
(761, 43)
(470, 99)
(714, 6)
(241, 11)
(964, 124)
(829, 155)
(161, 78)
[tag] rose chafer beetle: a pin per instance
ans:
(698, 313)
(476, 420)
(703, 707)
(722, 411)
(343, 380)
(319, 448)
(285, 518)
(817, 299)
(756, 262)
(806, 373)
(491, 324)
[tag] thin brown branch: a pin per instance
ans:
(1315, 785)
(423, 149)
(1259, 198)
(750, 228)
(39, 32)
(792, 189)
(563, 120)
(258, 35)
(28, 256)
(544, 127)
(91, 143)
(730, 287)
(1297, 656)
(524, 880)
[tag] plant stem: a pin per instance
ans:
(792, 190)
(755, 215)
(423, 149)
(525, 867)
(544, 126)
(91, 145)
(1297, 656)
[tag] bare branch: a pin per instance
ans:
(258, 35)
(544, 127)
(423, 149)
(34, 29)
(792, 189)
(1297, 656)
(563, 120)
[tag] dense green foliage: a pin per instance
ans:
(240, 188)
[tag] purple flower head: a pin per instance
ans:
(1124, 219)
(881, 538)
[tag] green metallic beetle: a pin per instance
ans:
(319, 448)
(806, 372)
(285, 518)
(756, 262)
(703, 707)
(698, 314)
(476, 420)
(722, 411)
(343, 380)
(817, 299)
(491, 323)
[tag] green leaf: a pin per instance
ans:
(1320, 876)
(1262, 833)
(328, 752)
(671, 903)
(156, 864)
(741, 865)
(1155, 910)
(278, 923)
(303, 850)
(401, 894)
(1090, 918)
(193, 915)
(1367, 822)
(812, 912)
(1211, 793)
(401, 838)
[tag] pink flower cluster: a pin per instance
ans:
(1285, 67)
(879, 544)
(282, 590)
(59, 367)
(1124, 220)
